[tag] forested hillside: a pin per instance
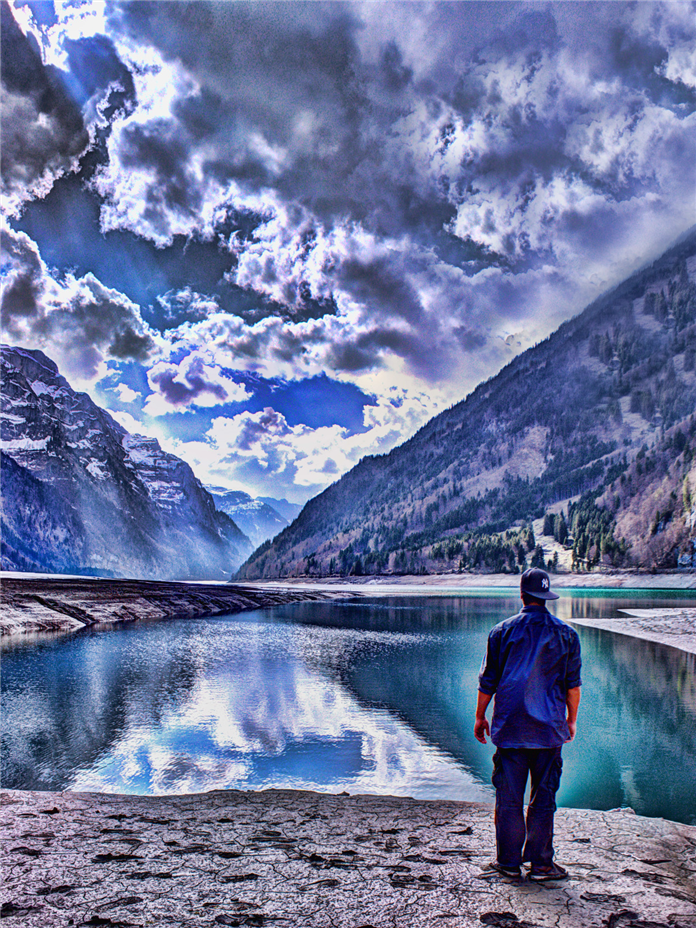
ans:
(594, 428)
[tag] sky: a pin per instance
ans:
(280, 236)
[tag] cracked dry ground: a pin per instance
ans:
(283, 858)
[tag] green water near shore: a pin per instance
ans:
(365, 696)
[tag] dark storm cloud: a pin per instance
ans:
(129, 345)
(354, 357)
(394, 73)
(257, 63)
(159, 149)
(43, 131)
(638, 61)
(303, 53)
(22, 287)
(97, 324)
(294, 74)
(531, 31)
(535, 142)
(19, 299)
(381, 285)
(81, 319)
(178, 391)
(366, 351)
(469, 339)
(256, 428)
(298, 76)
(529, 140)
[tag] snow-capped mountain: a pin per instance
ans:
(81, 494)
(257, 518)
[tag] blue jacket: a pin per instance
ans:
(531, 661)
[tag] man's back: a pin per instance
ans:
(532, 660)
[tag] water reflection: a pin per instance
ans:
(638, 728)
(369, 697)
(194, 706)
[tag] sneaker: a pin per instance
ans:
(513, 873)
(547, 874)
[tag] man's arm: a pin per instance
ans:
(572, 703)
(481, 727)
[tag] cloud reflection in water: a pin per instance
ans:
(262, 717)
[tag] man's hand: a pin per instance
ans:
(481, 729)
(572, 703)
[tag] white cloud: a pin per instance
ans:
(73, 21)
(674, 26)
(131, 424)
(126, 394)
(260, 452)
(78, 321)
(194, 381)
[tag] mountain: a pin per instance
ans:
(82, 495)
(593, 429)
(287, 510)
(257, 518)
(57, 540)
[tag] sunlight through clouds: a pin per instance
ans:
(250, 448)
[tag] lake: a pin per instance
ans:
(375, 695)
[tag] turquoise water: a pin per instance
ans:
(369, 696)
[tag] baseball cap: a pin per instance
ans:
(535, 582)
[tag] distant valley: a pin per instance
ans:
(259, 519)
(590, 435)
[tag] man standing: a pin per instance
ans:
(532, 665)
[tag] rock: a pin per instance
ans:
(67, 604)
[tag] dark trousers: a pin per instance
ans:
(516, 840)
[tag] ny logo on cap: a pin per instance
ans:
(544, 583)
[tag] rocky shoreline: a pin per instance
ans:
(585, 580)
(42, 604)
(306, 860)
